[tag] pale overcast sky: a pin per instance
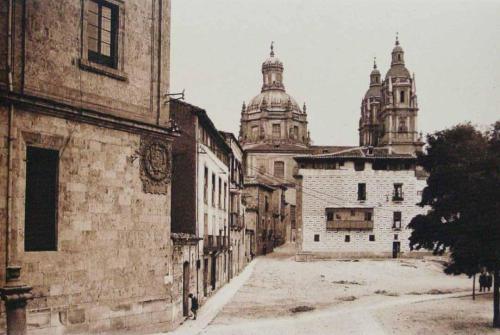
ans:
(327, 48)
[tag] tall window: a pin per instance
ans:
(266, 203)
(368, 216)
(361, 191)
(205, 186)
(213, 189)
(225, 196)
(296, 132)
(401, 96)
(40, 228)
(276, 130)
(219, 199)
(279, 169)
(396, 223)
(398, 192)
(102, 32)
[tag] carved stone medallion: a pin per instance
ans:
(156, 163)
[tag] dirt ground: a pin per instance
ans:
(403, 296)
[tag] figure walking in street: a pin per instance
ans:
(482, 282)
(489, 281)
(194, 305)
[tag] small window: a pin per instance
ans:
(398, 192)
(359, 166)
(396, 237)
(255, 132)
(316, 237)
(401, 96)
(396, 220)
(266, 203)
(353, 212)
(361, 191)
(372, 238)
(102, 34)
(341, 163)
(368, 216)
(40, 230)
(347, 238)
(279, 169)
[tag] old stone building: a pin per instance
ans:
(273, 130)
(85, 162)
(200, 205)
(237, 230)
(389, 109)
(259, 218)
(358, 201)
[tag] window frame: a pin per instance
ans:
(98, 56)
(361, 191)
(87, 64)
(397, 224)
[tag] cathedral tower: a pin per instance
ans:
(389, 109)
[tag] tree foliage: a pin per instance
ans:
(462, 194)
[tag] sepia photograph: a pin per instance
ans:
(249, 167)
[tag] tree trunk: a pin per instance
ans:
(474, 287)
(496, 299)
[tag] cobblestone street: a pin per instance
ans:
(332, 297)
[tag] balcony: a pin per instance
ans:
(235, 221)
(349, 225)
(208, 244)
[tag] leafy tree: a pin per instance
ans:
(463, 194)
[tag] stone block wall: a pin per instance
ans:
(323, 189)
(111, 267)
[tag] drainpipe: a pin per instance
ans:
(14, 293)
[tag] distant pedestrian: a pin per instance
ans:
(482, 282)
(194, 305)
(489, 281)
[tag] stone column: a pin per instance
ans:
(15, 295)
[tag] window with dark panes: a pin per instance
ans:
(368, 216)
(359, 166)
(398, 192)
(40, 227)
(396, 220)
(361, 191)
(102, 31)
(213, 189)
(205, 186)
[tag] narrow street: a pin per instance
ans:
(276, 295)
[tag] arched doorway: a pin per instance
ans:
(185, 289)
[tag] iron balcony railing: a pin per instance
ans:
(349, 225)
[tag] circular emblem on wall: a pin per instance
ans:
(156, 161)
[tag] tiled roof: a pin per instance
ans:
(360, 152)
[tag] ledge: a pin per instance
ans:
(87, 65)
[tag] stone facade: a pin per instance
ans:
(237, 229)
(364, 214)
(200, 202)
(111, 267)
(389, 109)
(259, 218)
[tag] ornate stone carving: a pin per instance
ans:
(156, 165)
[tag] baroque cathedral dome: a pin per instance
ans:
(273, 116)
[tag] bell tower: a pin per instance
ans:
(399, 107)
